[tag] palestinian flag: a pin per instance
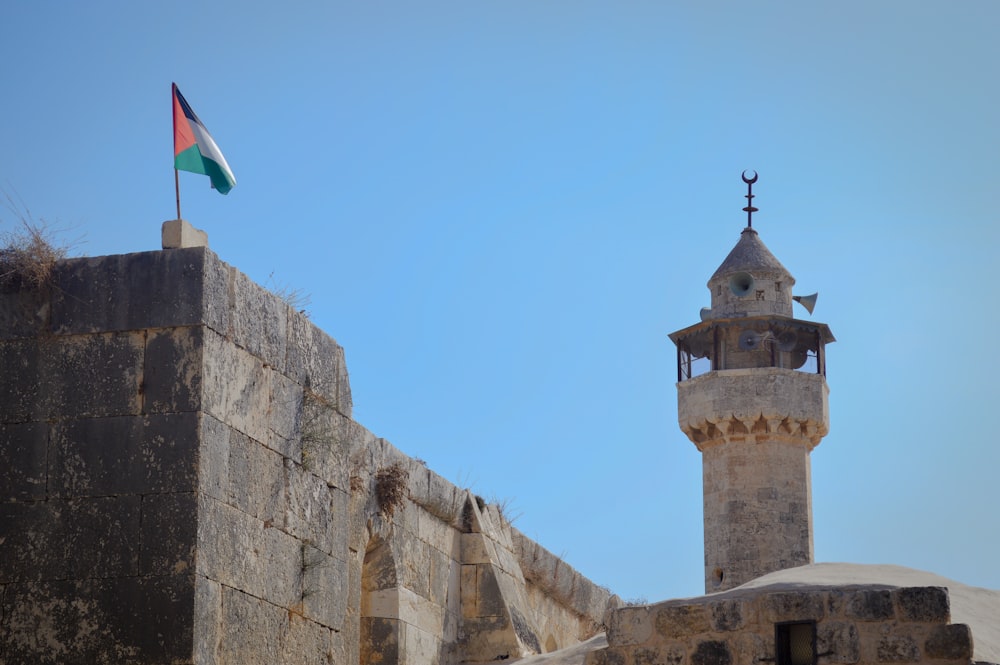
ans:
(194, 149)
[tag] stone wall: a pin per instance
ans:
(857, 625)
(181, 481)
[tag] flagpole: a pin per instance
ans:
(177, 190)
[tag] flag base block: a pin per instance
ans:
(178, 233)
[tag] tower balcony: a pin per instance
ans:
(752, 405)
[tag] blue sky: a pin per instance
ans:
(501, 210)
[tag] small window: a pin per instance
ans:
(795, 643)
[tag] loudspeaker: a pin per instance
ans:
(749, 340)
(809, 302)
(741, 284)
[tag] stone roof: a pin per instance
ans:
(974, 606)
(749, 255)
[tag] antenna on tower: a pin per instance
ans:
(749, 210)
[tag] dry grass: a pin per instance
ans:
(295, 298)
(30, 252)
(390, 487)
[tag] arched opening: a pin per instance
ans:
(550, 644)
(380, 628)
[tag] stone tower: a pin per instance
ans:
(752, 396)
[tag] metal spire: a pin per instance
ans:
(749, 210)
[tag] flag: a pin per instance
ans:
(194, 149)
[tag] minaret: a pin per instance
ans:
(752, 396)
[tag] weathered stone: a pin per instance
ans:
(31, 543)
(792, 606)
(285, 413)
(867, 604)
(380, 641)
(168, 533)
(236, 388)
(251, 630)
(122, 620)
(129, 291)
(124, 454)
(711, 652)
(21, 389)
(727, 615)
(23, 458)
(682, 620)
(923, 604)
(838, 641)
(243, 553)
(324, 587)
(316, 361)
(606, 656)
(898, 649)
(91, 375)
(629, 626)
(256, 482)
(308, 514)
(180, 234)
(172, 370)
(208, 621)
(258, 321)
(24, 310)
(949, 642)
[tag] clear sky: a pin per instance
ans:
(501, 209)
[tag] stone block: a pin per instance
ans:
(439, 576)
(23, 475)
(179, 234)
(129, 291)
(839, 641)
(608, 656)
(792, 606)
(421, 646)
(125, 454)
(101, 536)
(476, 548)
(285, 417)
(241, 552)
(326, 441)
(83, 538)
(949, 642)
(208, 618)
(677, 621)
(898, 649)
(121, 620)
(308, 510)
(324, 587)
(213, 458)
(316, 361)
(236, 387)
(711, 652)
(489, 600)
(258, 321)
(21, 388)
(168, 533)
(255, 481)
(24, 311)
(91, 376)
(380, 640)
(929, 604)
(470, 591)
(251, 631)
(728, 615)
(630, 626)
(306, 642)
(31, 544)
(172, 370)
(865, 604)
